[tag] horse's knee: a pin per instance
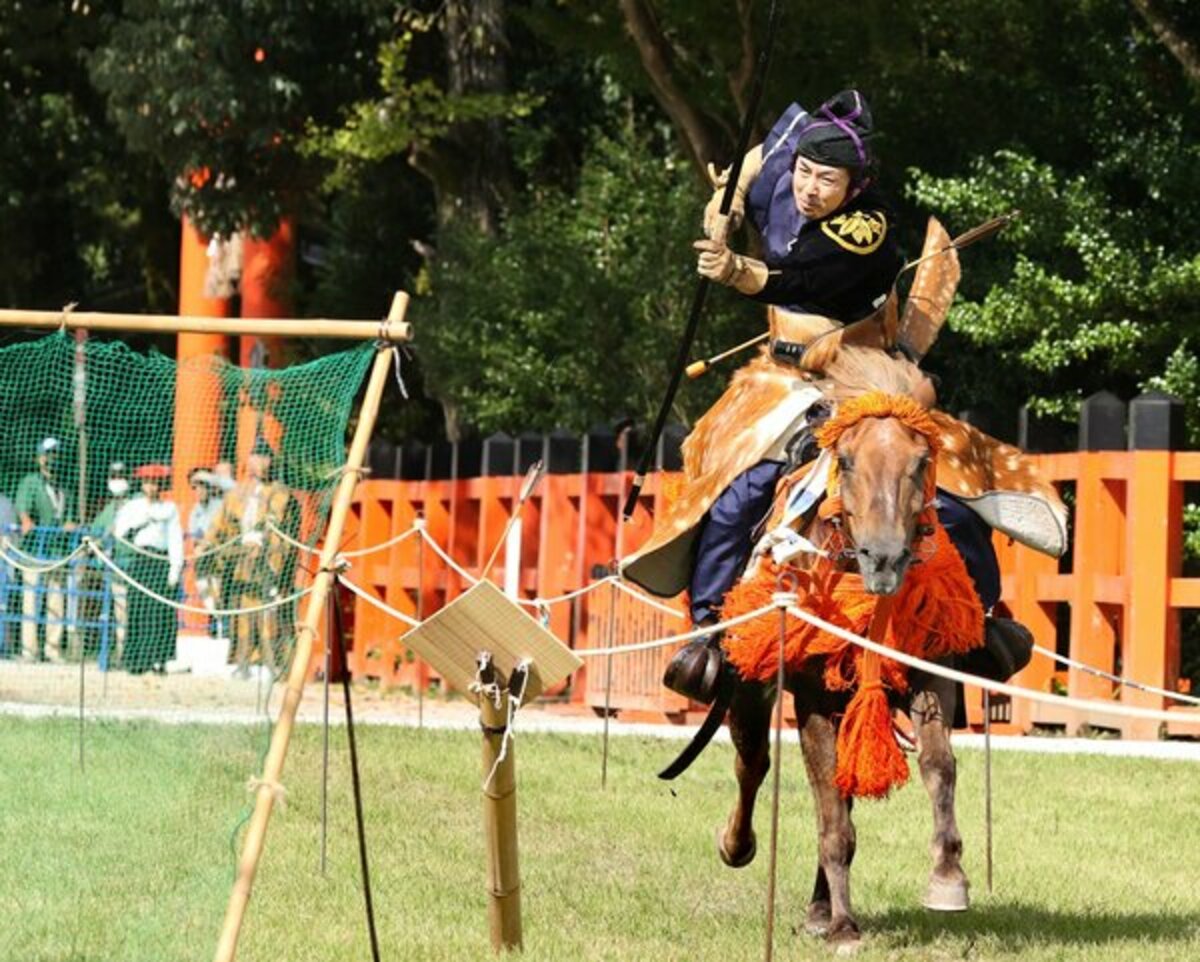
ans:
(838, 845)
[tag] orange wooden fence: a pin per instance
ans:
(1112, 603)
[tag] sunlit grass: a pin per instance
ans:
(129, 861)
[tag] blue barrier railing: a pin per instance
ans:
(77, 603)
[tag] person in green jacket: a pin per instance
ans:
(43, 510)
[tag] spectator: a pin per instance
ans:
(8, 574)
(207, 489)
(257, 568)
(151, 525)
(43, 511)
(103, 524)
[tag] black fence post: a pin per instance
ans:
(1156, 422)
(1102, 423)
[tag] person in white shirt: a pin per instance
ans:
(151, 525)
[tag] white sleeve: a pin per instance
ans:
(174, 543)
(124, 520)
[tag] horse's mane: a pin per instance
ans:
(854, 371)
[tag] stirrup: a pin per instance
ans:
(695, 670)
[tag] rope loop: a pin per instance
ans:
(278, 792)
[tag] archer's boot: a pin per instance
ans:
(1007, 648)
(695, 671)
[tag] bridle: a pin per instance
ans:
(841, 546)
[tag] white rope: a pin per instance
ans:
(998, 687)
(179, 605)
(1063, 659)
(441, 553)
(509, 727)
(672, 639)
(540, 602)
(357, 553)
(300, 545)
(647, 600)
(163, 556)
(381, 605)
(6, 545)
(278, 792)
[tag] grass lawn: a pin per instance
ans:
(129, 861)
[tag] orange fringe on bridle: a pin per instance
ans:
(935, 613)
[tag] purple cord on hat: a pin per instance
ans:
(842, 123)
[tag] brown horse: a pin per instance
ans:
(882, 466)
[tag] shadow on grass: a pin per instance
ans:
(1016, 925)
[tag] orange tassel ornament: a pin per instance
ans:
(935, 613)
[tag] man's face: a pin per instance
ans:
(150, 488)
(47, 463)
(818, 189)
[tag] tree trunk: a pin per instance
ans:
(1182, 48)
(470, 167)
(702, 134)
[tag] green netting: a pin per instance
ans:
(225, 471)
(126, 611)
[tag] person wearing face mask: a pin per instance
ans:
(102, 525)
(44, 511)
(150, 524)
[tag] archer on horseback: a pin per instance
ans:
(829, 266)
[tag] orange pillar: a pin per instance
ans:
(268, 267)
(1150, 648)
(197, 386)
(1097, 549)
(197, 440)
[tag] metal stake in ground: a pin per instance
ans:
(420, 617)
(335, 600)
(772, 865)
(325, 739)
(987, 778)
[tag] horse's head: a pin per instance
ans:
(884, 447)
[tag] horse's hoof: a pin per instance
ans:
(946, 895)
(736, 859)
(844, 936)
(816, 920)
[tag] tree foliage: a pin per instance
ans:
(219, 92)
(571, 315)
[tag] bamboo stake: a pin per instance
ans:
(394, 329)
(500, 814)
(268, 786)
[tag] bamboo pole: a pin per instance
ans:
(500, 819)
(239, 897)
(393, 329)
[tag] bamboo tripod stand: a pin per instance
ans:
(269, 787)
(391, 330)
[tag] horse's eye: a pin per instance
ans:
(921, 466)
(845, 463)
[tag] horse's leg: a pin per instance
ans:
(829, 910)
(749, 728)
(932, 715)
